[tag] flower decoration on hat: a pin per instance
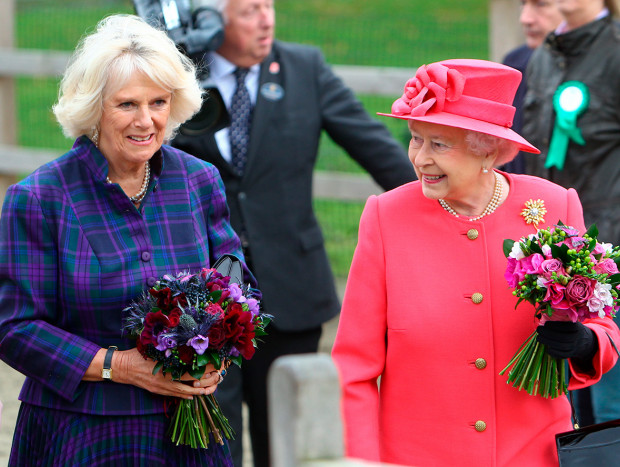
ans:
(428, 90)
(534, 212)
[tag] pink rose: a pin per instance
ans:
(580, 289)
(556, 296)
(549, 266)
(514, 273)
(531, 264)
(599, 249)
(606, 266)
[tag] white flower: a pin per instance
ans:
(596, 305)
(603, 293)
(541, 282)
(546, 249)
(608, 247)
(516, 252)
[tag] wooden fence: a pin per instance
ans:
(504, 34)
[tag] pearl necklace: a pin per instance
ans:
(492, 206)
(145, 184)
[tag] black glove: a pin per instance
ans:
(565, 339)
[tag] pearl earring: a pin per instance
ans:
(485, 170)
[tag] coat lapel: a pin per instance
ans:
(270, 93)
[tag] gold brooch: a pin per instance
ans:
(534, 212)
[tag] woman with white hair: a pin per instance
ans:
(84, 235)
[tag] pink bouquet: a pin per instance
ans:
(567, 277)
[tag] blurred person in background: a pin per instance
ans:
(538, 18)
(84, 235)
(583, 54)
(428, 320)
(280, 97)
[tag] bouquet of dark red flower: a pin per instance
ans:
(567, 277)
(187, 321)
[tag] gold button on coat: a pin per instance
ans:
(480, 426)
(477, 298)
(472, 234)
(481, 363)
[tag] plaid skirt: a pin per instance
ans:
(49, 437)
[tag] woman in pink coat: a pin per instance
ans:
(428, 320)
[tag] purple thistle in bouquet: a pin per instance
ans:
(187, 321)
(567, 277)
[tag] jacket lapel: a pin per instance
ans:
(270, 79)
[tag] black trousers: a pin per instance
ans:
(249, 384)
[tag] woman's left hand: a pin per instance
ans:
(130, 367)
(565, 339)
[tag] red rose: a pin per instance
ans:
(154, 323)
(245, 346)
(179, 301)
(217, 336)
(239, 330)
(173, 317)
(186, 354)
(163, 296)
(214, 309)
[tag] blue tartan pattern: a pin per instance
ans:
(54, 438)
(74, 251)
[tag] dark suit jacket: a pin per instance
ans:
(271, 204)
(518, 58)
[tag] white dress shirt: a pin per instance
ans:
(221, 75)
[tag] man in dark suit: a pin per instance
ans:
(294, 96)
(538, 18)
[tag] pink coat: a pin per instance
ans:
(409, 318)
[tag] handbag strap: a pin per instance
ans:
(570, 393)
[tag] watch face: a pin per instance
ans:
(106, 373)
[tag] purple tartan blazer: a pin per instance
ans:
(74, 251)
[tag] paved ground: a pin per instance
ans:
(11, 382)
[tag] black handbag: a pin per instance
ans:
(592, 446)
(230, 265)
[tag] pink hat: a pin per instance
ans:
(463, 93)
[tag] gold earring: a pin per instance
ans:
(95, 137)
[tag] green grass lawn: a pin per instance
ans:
(395, 33)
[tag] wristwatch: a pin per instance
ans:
(106, 371)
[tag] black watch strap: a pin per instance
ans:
(106, 372)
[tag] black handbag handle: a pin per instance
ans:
(570, 394)
(230, 265)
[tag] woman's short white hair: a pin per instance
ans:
(482, 144)
(105, 60)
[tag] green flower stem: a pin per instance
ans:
(193, 420)
(530, 360)
(533, 369)
(203, 436)
(214, 430)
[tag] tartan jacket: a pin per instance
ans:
(74, 251)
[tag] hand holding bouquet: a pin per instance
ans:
(567, 277)
(188, 321)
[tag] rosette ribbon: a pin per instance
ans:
(429, 89)
(570, 100)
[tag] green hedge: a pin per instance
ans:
(400, 33)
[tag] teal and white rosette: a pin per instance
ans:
(570, 100)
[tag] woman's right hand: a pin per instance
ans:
(130, 367)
